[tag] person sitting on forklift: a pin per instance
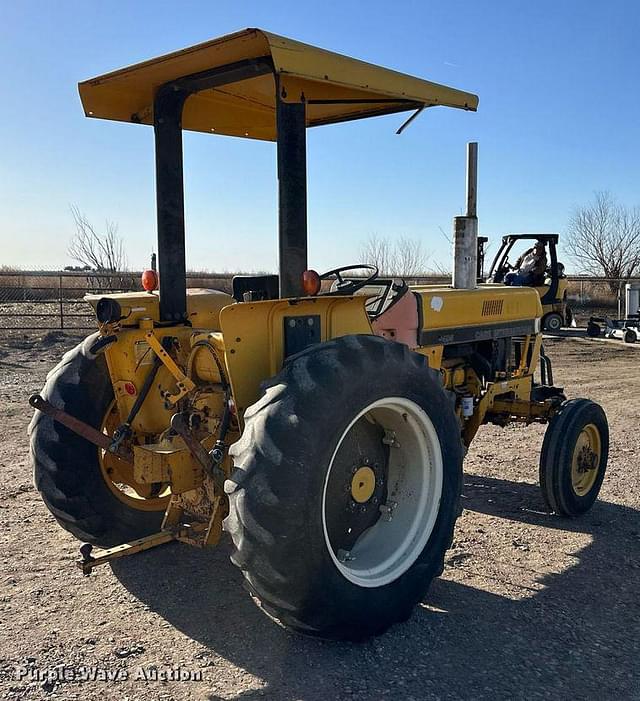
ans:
(529, 268)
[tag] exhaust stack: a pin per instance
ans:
(465, 230)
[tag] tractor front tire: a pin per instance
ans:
(574, 457)
(346, 487)
(67, 470)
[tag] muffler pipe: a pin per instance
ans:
(465, 230)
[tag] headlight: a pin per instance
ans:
(108, 310)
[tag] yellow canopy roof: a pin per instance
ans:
(336, 88)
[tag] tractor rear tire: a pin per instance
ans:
(346, 487)
(574, 457)
(67, 470)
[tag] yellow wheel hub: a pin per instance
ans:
(363, 484)
(586, 460)
(118, 474)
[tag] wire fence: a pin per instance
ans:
(54, 300)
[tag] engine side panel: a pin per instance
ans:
(463, 316)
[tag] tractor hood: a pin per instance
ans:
(203, 306)
(335, 88)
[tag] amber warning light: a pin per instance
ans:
(310, 282)
(150, 280)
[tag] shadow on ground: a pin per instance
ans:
(577, 637)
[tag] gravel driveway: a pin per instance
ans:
(530, 605)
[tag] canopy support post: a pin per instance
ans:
(167, 124)
(292, 196)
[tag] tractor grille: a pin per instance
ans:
(492, 307)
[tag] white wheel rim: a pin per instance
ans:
(388, 548)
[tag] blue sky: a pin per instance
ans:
(559, 117)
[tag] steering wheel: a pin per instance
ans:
(348, 287)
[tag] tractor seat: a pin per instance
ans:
(255, 288)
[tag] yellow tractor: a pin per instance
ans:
(323, 427)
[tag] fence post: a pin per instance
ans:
(619, 299)
(60, 298)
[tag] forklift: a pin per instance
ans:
(552, 287)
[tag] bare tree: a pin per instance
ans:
(103, 252)
(99, 252)
(410, 258)
(404, 257)
(603, 238)
(441, 270)
(377, 251)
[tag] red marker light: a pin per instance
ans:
(311, 282)
(130, 388)
(150, 280)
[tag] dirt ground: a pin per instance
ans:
(529, 606)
